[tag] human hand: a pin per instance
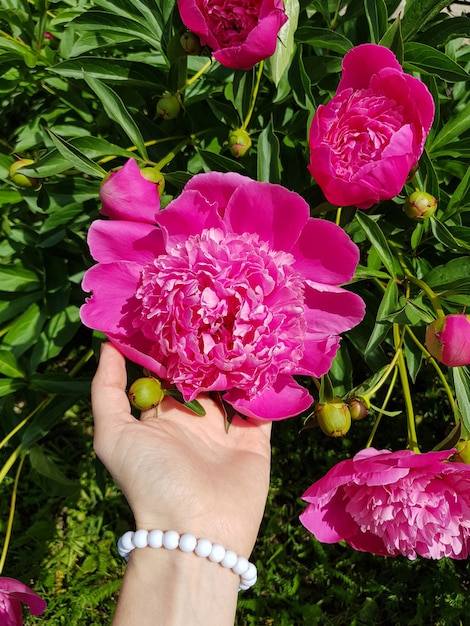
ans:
(180, 471)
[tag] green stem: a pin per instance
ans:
(171, 155)
(6, 467)
(433, 297)
(151, 142)
(435, 364)
(386, 374)
(254, 95)
(11, 515)
(410, 418)
(382, 408)
(194, 77)
(338, 216)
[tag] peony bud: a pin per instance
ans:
(21, 180)
(448, 339)
(239, 142)
(190, 43)
(146, 393)
(169, 106)
(154, 175)
(462, 452)
(334, 417)
(358, 409)
(420, 205)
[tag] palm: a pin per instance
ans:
(180, 471)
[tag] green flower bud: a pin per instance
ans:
(169, 106)
(334, 417)
(190, 43)
(154, 175)
(239, 142)
(358, 409)
(462, 452)
(420, 205)
(146, 393)
(21, 180)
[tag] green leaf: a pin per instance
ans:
(327, 392)
(17, 278)
(117, 111)
(393, 40)
(60, 383)
(377, 17)
(461, 377)
(449, 277)
(459, 197)
(277, 64)
(440, 32)
(388, 305)
(44, 465)
(8, 385)
(422, 58)
(76, 158)
(375, 235)
(269, 165)
(23, 333)
(220, 163)
(117, 71)
(418, 13)
(102, 21)
(193, 405)
(447, 237)
(453, 129)
(323, 38)
(9, 365)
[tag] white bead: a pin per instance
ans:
(241, 566)
(171, 539)
(217, 553)
(203, 548)
(251, 573)
(155, 538)
(127, 540)
(187, 542)
(229, 559)
(141, 538)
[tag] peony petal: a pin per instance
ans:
(127, 241)
(113, 285)
(127, 195)
(217, 187)
(275, 213)
(324, 253)
(329, 524)
(284, 399)
(16, 590)
(188, 215)
(259, 44)
(362, 62)
(319, 352)
(332, 310)
(136, 350)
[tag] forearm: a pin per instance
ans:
(174, 588)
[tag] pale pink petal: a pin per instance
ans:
(284, 399)
(127, 195)
(124, 241)
(324, 253)
(263, 208)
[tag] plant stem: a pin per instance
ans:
(410, 418)
(382, 408)
(195, 76)
(435, 364)
(254, 95)
(433, 297)
(171, 155)
(11, 515)
(386, 374)
(6, 466)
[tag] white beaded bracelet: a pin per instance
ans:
(189, 543)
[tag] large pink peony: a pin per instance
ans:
(12, 594)
(239, 32)
(235, 290)
(392, 503)
(365, 141)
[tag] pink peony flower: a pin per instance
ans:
(236, 290)
(366, 140)
(12, 594)
(239, 32)
(392, 503)
(449, 340)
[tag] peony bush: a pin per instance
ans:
(286, 227)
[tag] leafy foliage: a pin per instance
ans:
(80, 82)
